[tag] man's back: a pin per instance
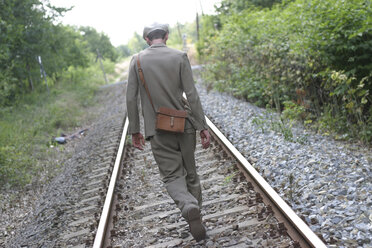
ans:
(162, 68)
(168, 74)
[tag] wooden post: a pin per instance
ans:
(43, 73)
(99, 56)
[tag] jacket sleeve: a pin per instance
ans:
(132, 99)
(191, 94)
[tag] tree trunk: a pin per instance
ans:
(31, 84)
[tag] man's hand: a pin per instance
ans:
(138, 141)
(205, 138)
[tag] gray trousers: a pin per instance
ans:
(174, 154)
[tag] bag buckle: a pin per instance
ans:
(172, 121)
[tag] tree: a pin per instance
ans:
(123, 50)
(99, 41)
(23, 27)
(315, 53)
(27, 30)
(136, 43)
(235, 6)
(68, 49)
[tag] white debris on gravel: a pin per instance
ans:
(326, 182)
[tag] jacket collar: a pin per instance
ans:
(158, 45)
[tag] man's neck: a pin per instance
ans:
(158, 41)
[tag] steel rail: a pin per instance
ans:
(102, 226)
(296, 221)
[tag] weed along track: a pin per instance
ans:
(239, 208)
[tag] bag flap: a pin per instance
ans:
(172, 112)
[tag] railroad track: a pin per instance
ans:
(239, 208)
(84, 206)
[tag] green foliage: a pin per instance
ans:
(66, 49)
(281, 125)
(179, 31)
(293, 111)
(26, 32)
(283, 128)
(99, 41)
(207, 31)
(27, 128)
(93, 73)
(14, 165)
(235, 6)
(260, 123)
(314, 54)
(136, 44)
(30, 116)
(123, 51)
(229, 178)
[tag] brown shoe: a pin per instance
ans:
(197, 228)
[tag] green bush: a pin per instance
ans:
(313, 53)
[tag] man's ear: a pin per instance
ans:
(148, 41)
(166, 37)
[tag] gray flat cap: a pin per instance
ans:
(153, 27)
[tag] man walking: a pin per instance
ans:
(168, 74)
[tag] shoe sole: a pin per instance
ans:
(196, 226)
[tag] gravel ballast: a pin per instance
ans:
(326, 182)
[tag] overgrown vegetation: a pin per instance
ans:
(34, 108)
(309, 56)
(27, 128)
(28, 32)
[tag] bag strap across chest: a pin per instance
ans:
(142, 78)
